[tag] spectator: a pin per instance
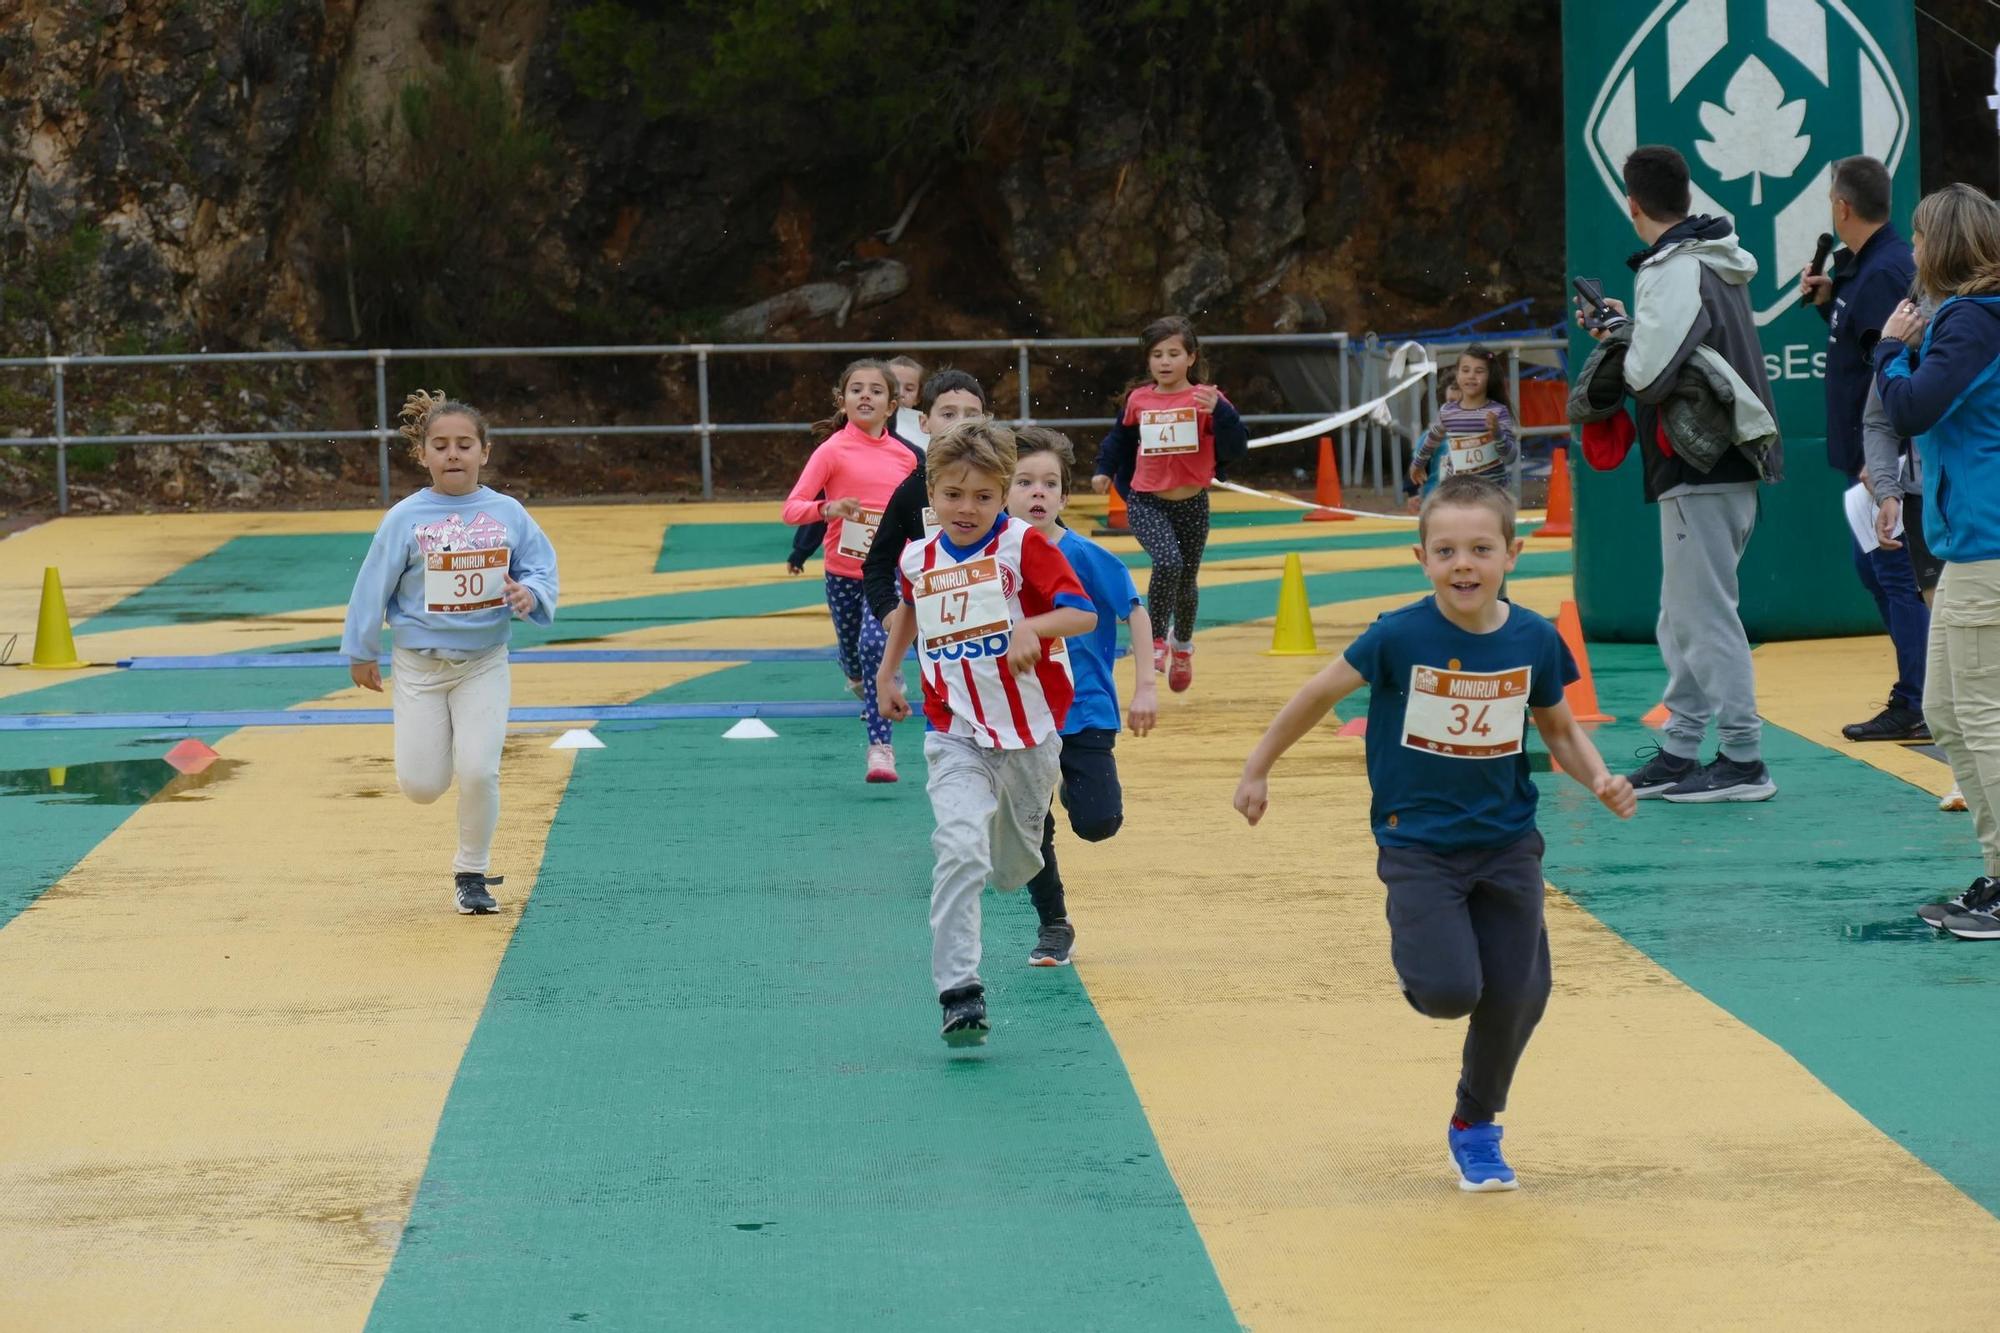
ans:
(1689, 291)
(1870, 275)
(1944, 391)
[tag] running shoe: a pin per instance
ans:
(473, 899)
(1983, 924)
(1052, 945)
(964, 1016)
(1180, 674)
(1159, 657)
(882, 763)
(1893, 723)
(1724, 780)
(1952, 801)
(1475, 1151)
(1660, 773)
(1979, 896)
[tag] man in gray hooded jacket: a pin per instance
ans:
(1689, 292)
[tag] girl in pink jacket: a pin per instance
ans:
(857, 468)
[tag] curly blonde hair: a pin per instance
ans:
(425, 406)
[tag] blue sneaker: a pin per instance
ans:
(1475, 1151)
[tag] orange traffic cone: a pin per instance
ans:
(1658, 717)
(1561, 513)
(1581, 694)
(1326, 489)
(1114, 518)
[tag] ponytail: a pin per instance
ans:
(423, 407)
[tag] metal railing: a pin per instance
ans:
(1378, 450)
(705, 427)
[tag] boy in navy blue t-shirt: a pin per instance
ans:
(1090, 791)
(1452, 680)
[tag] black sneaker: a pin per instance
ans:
(1982, 925)
(964, 1016)
(1724, 780)
(473, 899)
(1053, 944)
(1660, 772)
(1979, 896)
(1891, 724)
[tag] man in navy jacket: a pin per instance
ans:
(1871, 275)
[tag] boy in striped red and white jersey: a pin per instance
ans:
(988, 602)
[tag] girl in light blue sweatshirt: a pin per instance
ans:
(450, 568)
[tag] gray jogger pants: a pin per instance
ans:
(1709, 677)
(1467, 939)
(989, 805)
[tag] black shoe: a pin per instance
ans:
(1053, 944)
(1891, 724)
(473, 899)
(1660, 772)
(1980, 896)
(964, 1016)
(1724, 780)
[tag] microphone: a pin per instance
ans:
(1820, 252)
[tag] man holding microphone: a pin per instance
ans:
(1871, 274)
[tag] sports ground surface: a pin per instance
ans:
(255, 1073)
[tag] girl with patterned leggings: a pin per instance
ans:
(1174, 436)
(847, 483)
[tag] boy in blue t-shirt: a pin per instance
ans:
(1090, 790)
(1453, 680)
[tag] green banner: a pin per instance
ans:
(1762, 97)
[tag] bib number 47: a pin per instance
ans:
(952, 608)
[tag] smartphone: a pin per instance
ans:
(1592, 292)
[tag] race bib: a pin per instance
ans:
(1170, 430)
(1471, 453)
(931, 524)
(858, 534)
(965, 601)
(459, 581)
(1466, 714)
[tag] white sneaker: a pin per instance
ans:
(882, 763)
(1954, 800)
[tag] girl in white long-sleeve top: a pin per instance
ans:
(451, 567)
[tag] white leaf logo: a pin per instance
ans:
(1756, 134)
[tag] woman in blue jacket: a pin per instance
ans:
(1940, 383)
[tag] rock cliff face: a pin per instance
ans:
(241, 174)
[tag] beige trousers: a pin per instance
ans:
(1962, 691)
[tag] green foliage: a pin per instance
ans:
(432, 233)
(905, 79)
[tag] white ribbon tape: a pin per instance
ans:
(1377, 408)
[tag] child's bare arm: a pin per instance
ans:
(1578, 756)
(1145, 709)
(1306, 709)
(902, 631)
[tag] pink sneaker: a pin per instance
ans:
(882, 763)
(1181, 674)
(1159, 657)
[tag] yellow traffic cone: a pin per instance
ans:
(59, 777)
(1293, 636)
(55, 650)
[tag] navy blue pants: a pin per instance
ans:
(861, 639)
(1891, 579)
(1096, 806)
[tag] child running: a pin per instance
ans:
(1089, 790)
(450, 567)
(1452, 680)
(1476, 430)
(948, 397)
(859, 466)
(909, 420)
(906, 425)
(992, 600)
(1174, 436)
